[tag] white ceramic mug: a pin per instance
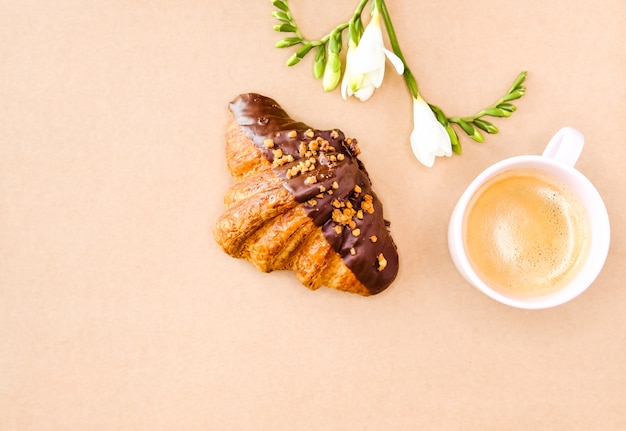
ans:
(558, 160)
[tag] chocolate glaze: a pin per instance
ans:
(341, 182)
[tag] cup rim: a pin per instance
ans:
(600, 237)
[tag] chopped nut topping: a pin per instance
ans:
(338, 229)
(357, 189)
(359, 214)
(303, 148)
(292, 134)
(330, 192)
(334, 134)
(343, 217)
(335, 185)
(356, 232)
(373, 238)
(309, 133)
(312, 202)
(352, 251)
(349, 204)
(300, 168)
(337, 203)
(310, 180)
(322, 189)
(333, 158)
(280, 159)
(338, 217)
(269, 143)
(340, 157)
(367, 204)
(382, 262)
(353, 145)
(314, 146)
(319, 196)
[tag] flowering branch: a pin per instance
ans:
(433, 134)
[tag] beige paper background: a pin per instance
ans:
(118, 310)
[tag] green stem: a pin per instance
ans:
(515, 92)
(410, 80)
(476, 116)
(359, 9)
(293, 22)
(356, 16)
(341, 27)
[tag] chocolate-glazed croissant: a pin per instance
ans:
(303, 201)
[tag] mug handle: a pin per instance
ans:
(565, 146)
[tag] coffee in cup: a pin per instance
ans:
(526, 232)
(531, 231)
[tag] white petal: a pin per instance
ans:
(421, 151)
(368, 58)
(429, 138)
(364, 93)
(375, 77)
(345, 90)
(344, 87)
(368, 55)
(398, 64)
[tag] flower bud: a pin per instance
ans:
(429, 138)
(332, 72)
(320, 62)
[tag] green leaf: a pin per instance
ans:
(454, 139)
(304, 50)
(507, 107)
(286, 28)
(486, 126)
(320, 62)
(467, 127)
(335, 42)
(293, 60)
(513, 96)
(518, 81)
(477, 136)
(360, 28)
(355, 30)
(471, 130)
(280, 4)
(299, 54)
(441, 117)
(497, 112)
(288, 41)
(281, 16)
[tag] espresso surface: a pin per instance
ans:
(526, 232)
(321, 169)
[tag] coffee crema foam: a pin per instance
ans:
(526, 232)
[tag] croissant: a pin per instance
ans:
(302, 201)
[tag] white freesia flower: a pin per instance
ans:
(365, 62)
(429, 138)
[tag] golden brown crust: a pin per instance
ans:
(264, 224)
(240, 221)
(242, 157)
